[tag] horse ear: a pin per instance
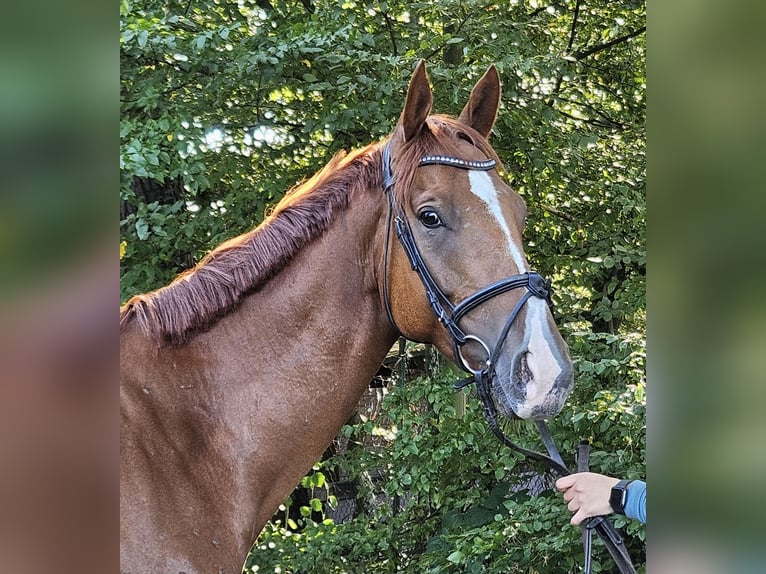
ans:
(418, 104)
(481, 110)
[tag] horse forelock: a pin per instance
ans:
(441, 135)
(200, 296)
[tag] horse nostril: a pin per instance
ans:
(523, 372)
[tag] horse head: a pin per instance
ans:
(458, 277)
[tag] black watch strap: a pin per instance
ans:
(619, 496)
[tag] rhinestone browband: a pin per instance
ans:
(457, 162)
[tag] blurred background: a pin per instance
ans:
(706, 424)
(59, 460)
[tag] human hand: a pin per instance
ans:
(587, 494)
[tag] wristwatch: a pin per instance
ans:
(619, 496)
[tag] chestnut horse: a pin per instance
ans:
(237, 375)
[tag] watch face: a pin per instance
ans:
(618, 496)
(614, 500)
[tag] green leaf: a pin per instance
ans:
(142, 229)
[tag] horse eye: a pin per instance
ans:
(430, 218)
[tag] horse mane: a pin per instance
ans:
(200, 296)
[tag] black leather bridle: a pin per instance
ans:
(450, 315)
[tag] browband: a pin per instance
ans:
(457, 162)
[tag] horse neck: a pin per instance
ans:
(217, 432)
(293, 360)
(321, 319)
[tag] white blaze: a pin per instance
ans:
(483, 188)
(541, 360)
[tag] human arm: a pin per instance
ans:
(587, 494)
(635, 504)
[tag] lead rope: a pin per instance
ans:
(583, 464)
(601, 524)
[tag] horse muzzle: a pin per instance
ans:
(535, 384)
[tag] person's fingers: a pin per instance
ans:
(578, 517)
(573, 506)
(565, 482)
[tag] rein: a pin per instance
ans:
(450, 315)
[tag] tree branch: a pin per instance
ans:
(572, 33)
(606, 123)
(574, 27)
(390, 27)
(558, 213)
(590, 51)
(542, 9)
(310, 8)
(440, 47)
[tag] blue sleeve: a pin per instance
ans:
(635, 505)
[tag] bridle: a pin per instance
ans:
(449, 316)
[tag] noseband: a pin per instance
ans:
(450, 315)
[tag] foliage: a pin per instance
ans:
(454, 496)
(225, 105)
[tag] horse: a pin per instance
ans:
(237, 375)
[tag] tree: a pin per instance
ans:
(227, 105)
